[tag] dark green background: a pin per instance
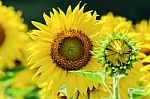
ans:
(134, 10)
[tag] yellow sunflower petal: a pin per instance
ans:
(47, 20)
(40, 26)
(147, 67)
(70, 84)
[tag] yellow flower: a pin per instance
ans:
(2, 91)
(63, 45)
(114, 23)
(119, 24)
(142, 35)
(1, 73)
(22, 79)
(11, 33)
(130, 81)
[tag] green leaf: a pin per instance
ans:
(70, 97)
(10, 73)
(19, 91)
(63, 90)
(33, 94)
(137, 93)
(98, 76)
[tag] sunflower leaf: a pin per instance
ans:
(33, 94)
(70, 97)
(63, 90)
(137, 93)
(10, 73)
(98, 76)
(19, 91)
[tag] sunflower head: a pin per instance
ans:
(117, 52)
(142, 35)
(12, 34)
(71, 49)
(115, 23)
(63, 44)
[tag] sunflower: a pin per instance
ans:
(142, 35)
(111, 23)
(11, 33)
(63, 45)
(117, 53)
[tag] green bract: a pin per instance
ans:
(117, 53)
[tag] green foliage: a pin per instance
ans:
(10, 73)
(28, 92)
(63, 90)
(137, 93)
(33, 94)
(93, 75)
(17, 91)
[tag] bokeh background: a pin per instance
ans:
(134, 10)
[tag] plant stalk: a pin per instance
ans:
(116, 94)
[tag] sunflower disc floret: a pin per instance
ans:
(117, 52)
(71, 50)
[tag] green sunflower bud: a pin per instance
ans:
(117, 53)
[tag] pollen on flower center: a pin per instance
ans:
(71, 49)
(2, 35)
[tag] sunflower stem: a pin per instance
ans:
(116, 94)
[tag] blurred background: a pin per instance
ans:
(134, 10)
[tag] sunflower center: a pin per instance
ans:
(117, 52)
(71, 49)
(2, 36)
